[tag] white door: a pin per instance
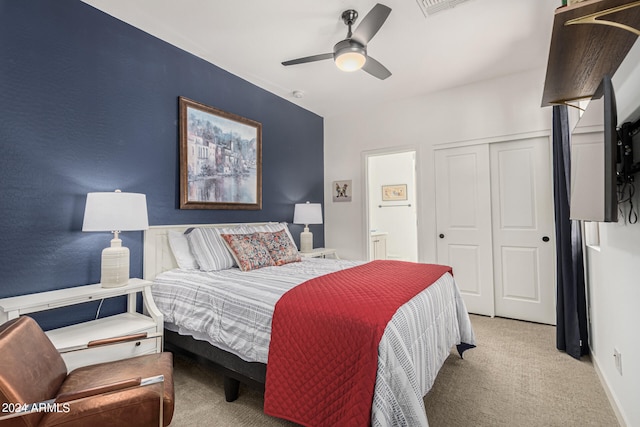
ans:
(523, 230)
(463, 215)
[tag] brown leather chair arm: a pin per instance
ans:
(114, 340)
(140, 405)
(93, 391)
(108, 400)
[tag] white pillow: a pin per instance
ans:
(181, 252)
(209, 249)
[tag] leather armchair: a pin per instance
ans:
(106, 394)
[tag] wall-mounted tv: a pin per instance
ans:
(594, 151)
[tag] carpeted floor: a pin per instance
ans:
(515, 377)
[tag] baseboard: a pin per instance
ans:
(610, 396)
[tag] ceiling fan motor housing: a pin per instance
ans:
(348, 45)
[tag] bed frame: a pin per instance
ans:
(158, 258)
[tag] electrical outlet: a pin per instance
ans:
(617, 356)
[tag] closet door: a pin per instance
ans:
(463, 216)
(523, 230)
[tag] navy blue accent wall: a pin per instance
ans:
(89, 103)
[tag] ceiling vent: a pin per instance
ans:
(429, 7)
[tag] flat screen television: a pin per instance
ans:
(594, 153)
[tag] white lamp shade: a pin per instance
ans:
(115, 211)
(350, 61)
(307, 213)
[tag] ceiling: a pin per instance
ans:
(473, 41)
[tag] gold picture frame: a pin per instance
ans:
(220, 159)
(391, 193)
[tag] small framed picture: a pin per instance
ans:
(392, 193)
(342, 191)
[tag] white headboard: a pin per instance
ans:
(157, 253)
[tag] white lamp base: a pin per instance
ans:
(115, 265)
(306, 240)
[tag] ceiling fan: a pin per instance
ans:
(350, 54)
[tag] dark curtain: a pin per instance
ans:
(571, 306)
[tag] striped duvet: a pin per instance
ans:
(232, 310)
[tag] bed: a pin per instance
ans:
(224, 316)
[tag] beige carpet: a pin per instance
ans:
(515, 377)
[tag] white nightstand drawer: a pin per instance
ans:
(108, 353)
(71, 341)
(320, 253)
(79, 335)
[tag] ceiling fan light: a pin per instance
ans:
(350, 61)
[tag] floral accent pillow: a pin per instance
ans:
(271, 227)
(248, 250)
(280, 246)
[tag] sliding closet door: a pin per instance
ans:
(463, 215)
(523, 230)
(494, 213)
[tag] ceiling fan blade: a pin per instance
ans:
(371, 24)
(376, 69)
(309, 59)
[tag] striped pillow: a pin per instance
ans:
(209, 249)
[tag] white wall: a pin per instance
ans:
(490, 109)
(614, 277)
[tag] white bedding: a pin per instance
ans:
(232, 310)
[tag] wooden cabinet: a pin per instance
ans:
(73, 341)
(378, 245)
(589, 40)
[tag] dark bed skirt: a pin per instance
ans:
(234, 369)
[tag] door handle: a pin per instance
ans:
(441, 236)
(545, 239)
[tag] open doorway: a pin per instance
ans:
(391, 207)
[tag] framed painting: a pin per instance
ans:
(392, 193)
(220, 159)
(342, 191)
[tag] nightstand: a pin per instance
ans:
(74, 342)
(320, 253)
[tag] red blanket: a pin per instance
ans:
(323, 354)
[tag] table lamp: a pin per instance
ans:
(307, 213)
(115, 212)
